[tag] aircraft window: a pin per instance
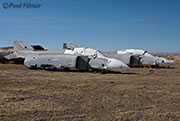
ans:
(33, 57)
(48, 59)
(102, 65)
(25, 47)
(147, 54)
(144, 52)
(100, 54)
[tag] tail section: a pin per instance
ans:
(70, 46)
(21, 50)
(21, 45)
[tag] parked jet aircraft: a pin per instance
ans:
(4, 51)
(131, 57)
(136, 57)
(80, 58)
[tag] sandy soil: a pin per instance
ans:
(39, 95)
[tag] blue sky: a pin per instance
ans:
(153, 25)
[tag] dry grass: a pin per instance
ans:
(38, 95)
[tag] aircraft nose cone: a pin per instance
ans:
(116, 64)
(168, 61)
(164, 61)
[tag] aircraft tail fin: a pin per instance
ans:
(21, 45)
(70, 46)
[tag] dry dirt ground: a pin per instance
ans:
(39, 95)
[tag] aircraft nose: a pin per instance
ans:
(164, 61)
(116, 64)
(168, 61)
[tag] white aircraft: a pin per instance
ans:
(137, 57)
(131, 57)
(80, 58)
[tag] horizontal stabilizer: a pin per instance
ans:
(11, 56)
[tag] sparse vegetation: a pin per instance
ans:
(39, 95)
